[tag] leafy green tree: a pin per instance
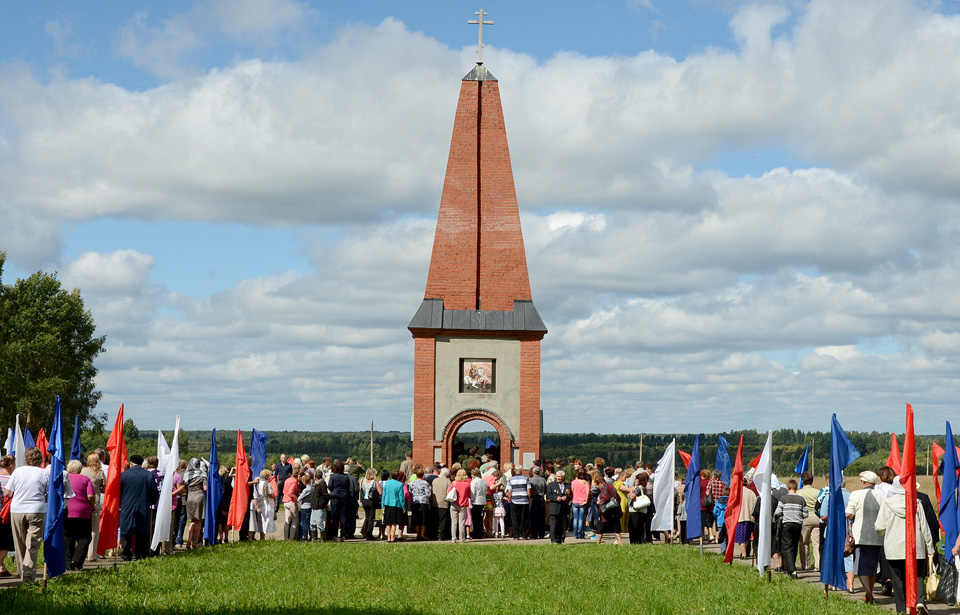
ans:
(48, 344)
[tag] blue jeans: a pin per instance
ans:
(338, 518)
(317, 522)
(305, 524)
(181, 521)
(579, 517)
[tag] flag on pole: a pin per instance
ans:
(8, 444)
(28, 440)
(734, 502)
(842, 454)
(214, 494)
(258, 452)
(936, 451)
(893, 459)
(54, 539)
(43, 444)
(110, 513)
(161, 527)
(663, 490)
(948, 493)
(19, 445)
(762, 479)
(908, 478)
(723, 460)
(691, 492)
(685, 457)
(240, 500)
(76, 450)
(804, 464)
(163, 451)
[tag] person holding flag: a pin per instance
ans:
(54, 538)
(27, 491)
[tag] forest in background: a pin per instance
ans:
(616, 449)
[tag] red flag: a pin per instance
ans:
(240, 500)
(894, 459)
(734, 502)
(756, 461)
(110, 515)
(685, 457)
(43, 445)
(936, 451)
(908, 478)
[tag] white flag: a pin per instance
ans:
(163, 451)
(8, 445)
(19, 447)
(161, 529)
(663, 490)
(761, 478)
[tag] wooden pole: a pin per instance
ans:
(813, 458)
(45, 576)
(641, 446)
(928, 459)
(371, 444)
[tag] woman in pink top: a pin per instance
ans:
(459, 509)
(581, 492)
(291, 525)
(77, 525)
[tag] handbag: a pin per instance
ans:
(933, 580)
(451, 495)
(5, 511)
(708, 502)
(640, 503)
(849, 546)
(947, 589)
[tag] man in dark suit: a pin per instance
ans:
(559, 494)
(138, 491)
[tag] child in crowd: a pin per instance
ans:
(499, 512)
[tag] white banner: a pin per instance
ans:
(663, 490)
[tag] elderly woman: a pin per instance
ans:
(340, 496)
(608, 503)
(394, 504)
(94, 471)
(196, 481)
(27, 489)
(7, 464)
(891, 523)
(77, 525)
(863, 509)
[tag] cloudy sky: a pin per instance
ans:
(736, 214)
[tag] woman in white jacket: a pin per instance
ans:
(892, 525)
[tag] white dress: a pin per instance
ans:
(267, 507)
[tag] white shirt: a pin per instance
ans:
(29, 486)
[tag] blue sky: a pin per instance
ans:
(739, 213)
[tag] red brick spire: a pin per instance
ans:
(478, 261)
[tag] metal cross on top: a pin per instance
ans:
(480, 22)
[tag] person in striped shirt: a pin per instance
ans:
(792, 509)
(518, 490)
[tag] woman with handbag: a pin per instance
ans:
(892, 525)
(372, 492)
(641, 511)
(608, 502)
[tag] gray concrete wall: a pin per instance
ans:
(450, 401)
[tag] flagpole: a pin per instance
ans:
(45, 576)
(371, 444)
(813, 450)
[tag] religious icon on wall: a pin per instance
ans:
(478, 376)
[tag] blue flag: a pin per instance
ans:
(54, 540)
(842, 454)
(258, 453)
(76, 451)
(804, 464)
(948, 494)
(214, 494)
(28, 440)
(490, 444)
(723, 460)
(691, 492)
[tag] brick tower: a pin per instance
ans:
(477, 333)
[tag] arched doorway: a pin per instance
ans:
(472, 419)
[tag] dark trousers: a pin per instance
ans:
(558, 527)
(476, 518)
(635, 527)
(790, 540)
(78, 533)
(135, 545)
(337, 518)
(520, 514)
(538, 519)
(433, 523)
(352, 507)
(369, 518)
(443, 524)
(898, 576)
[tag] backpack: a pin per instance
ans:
(708, 502)
(720, 508)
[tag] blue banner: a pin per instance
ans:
(258, 453)
(76, 451)
(948, 494)
(691, 492)
(214, 494)
(54, 540)
(804, 464)
(723, 460)
(28, 440)
(842, 454)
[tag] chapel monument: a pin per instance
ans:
(477, 333)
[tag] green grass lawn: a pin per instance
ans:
(380, 579)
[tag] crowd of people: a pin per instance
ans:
(472, 500)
